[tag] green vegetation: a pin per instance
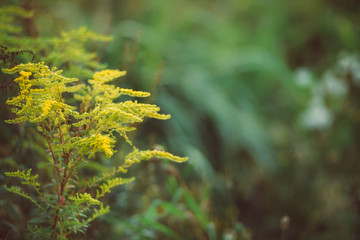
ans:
(264, 98)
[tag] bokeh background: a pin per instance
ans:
(264, 98)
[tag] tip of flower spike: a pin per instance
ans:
(108, 75)
(149, 154)
(84, 197)
(133, 93)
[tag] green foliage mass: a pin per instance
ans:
(265, 97)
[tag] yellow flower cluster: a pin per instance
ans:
(105, 187)
(24, 82)
(132, 93)
(102, 143)
(137, 156)
(84, 197)
(107, 75)
(25, 74)
(41, 95)
(47, 106)
(27, 177)
(28, 68)
(148, 154)
(41, 98)
(25, 85)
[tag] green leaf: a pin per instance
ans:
(195, 208)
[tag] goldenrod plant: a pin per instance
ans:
(77, 121)
(74, 134)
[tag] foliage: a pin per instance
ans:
(265, 94)
(266, 103)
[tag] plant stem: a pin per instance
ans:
(56, 174)
(56, 169)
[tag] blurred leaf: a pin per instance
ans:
(160, 227)
(195, 208)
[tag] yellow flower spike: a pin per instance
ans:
(19, 79)
(80, 198)
(107, 75)
(47, 106)
(132, 93)
(103, 143)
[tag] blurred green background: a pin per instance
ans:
(264, 98)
